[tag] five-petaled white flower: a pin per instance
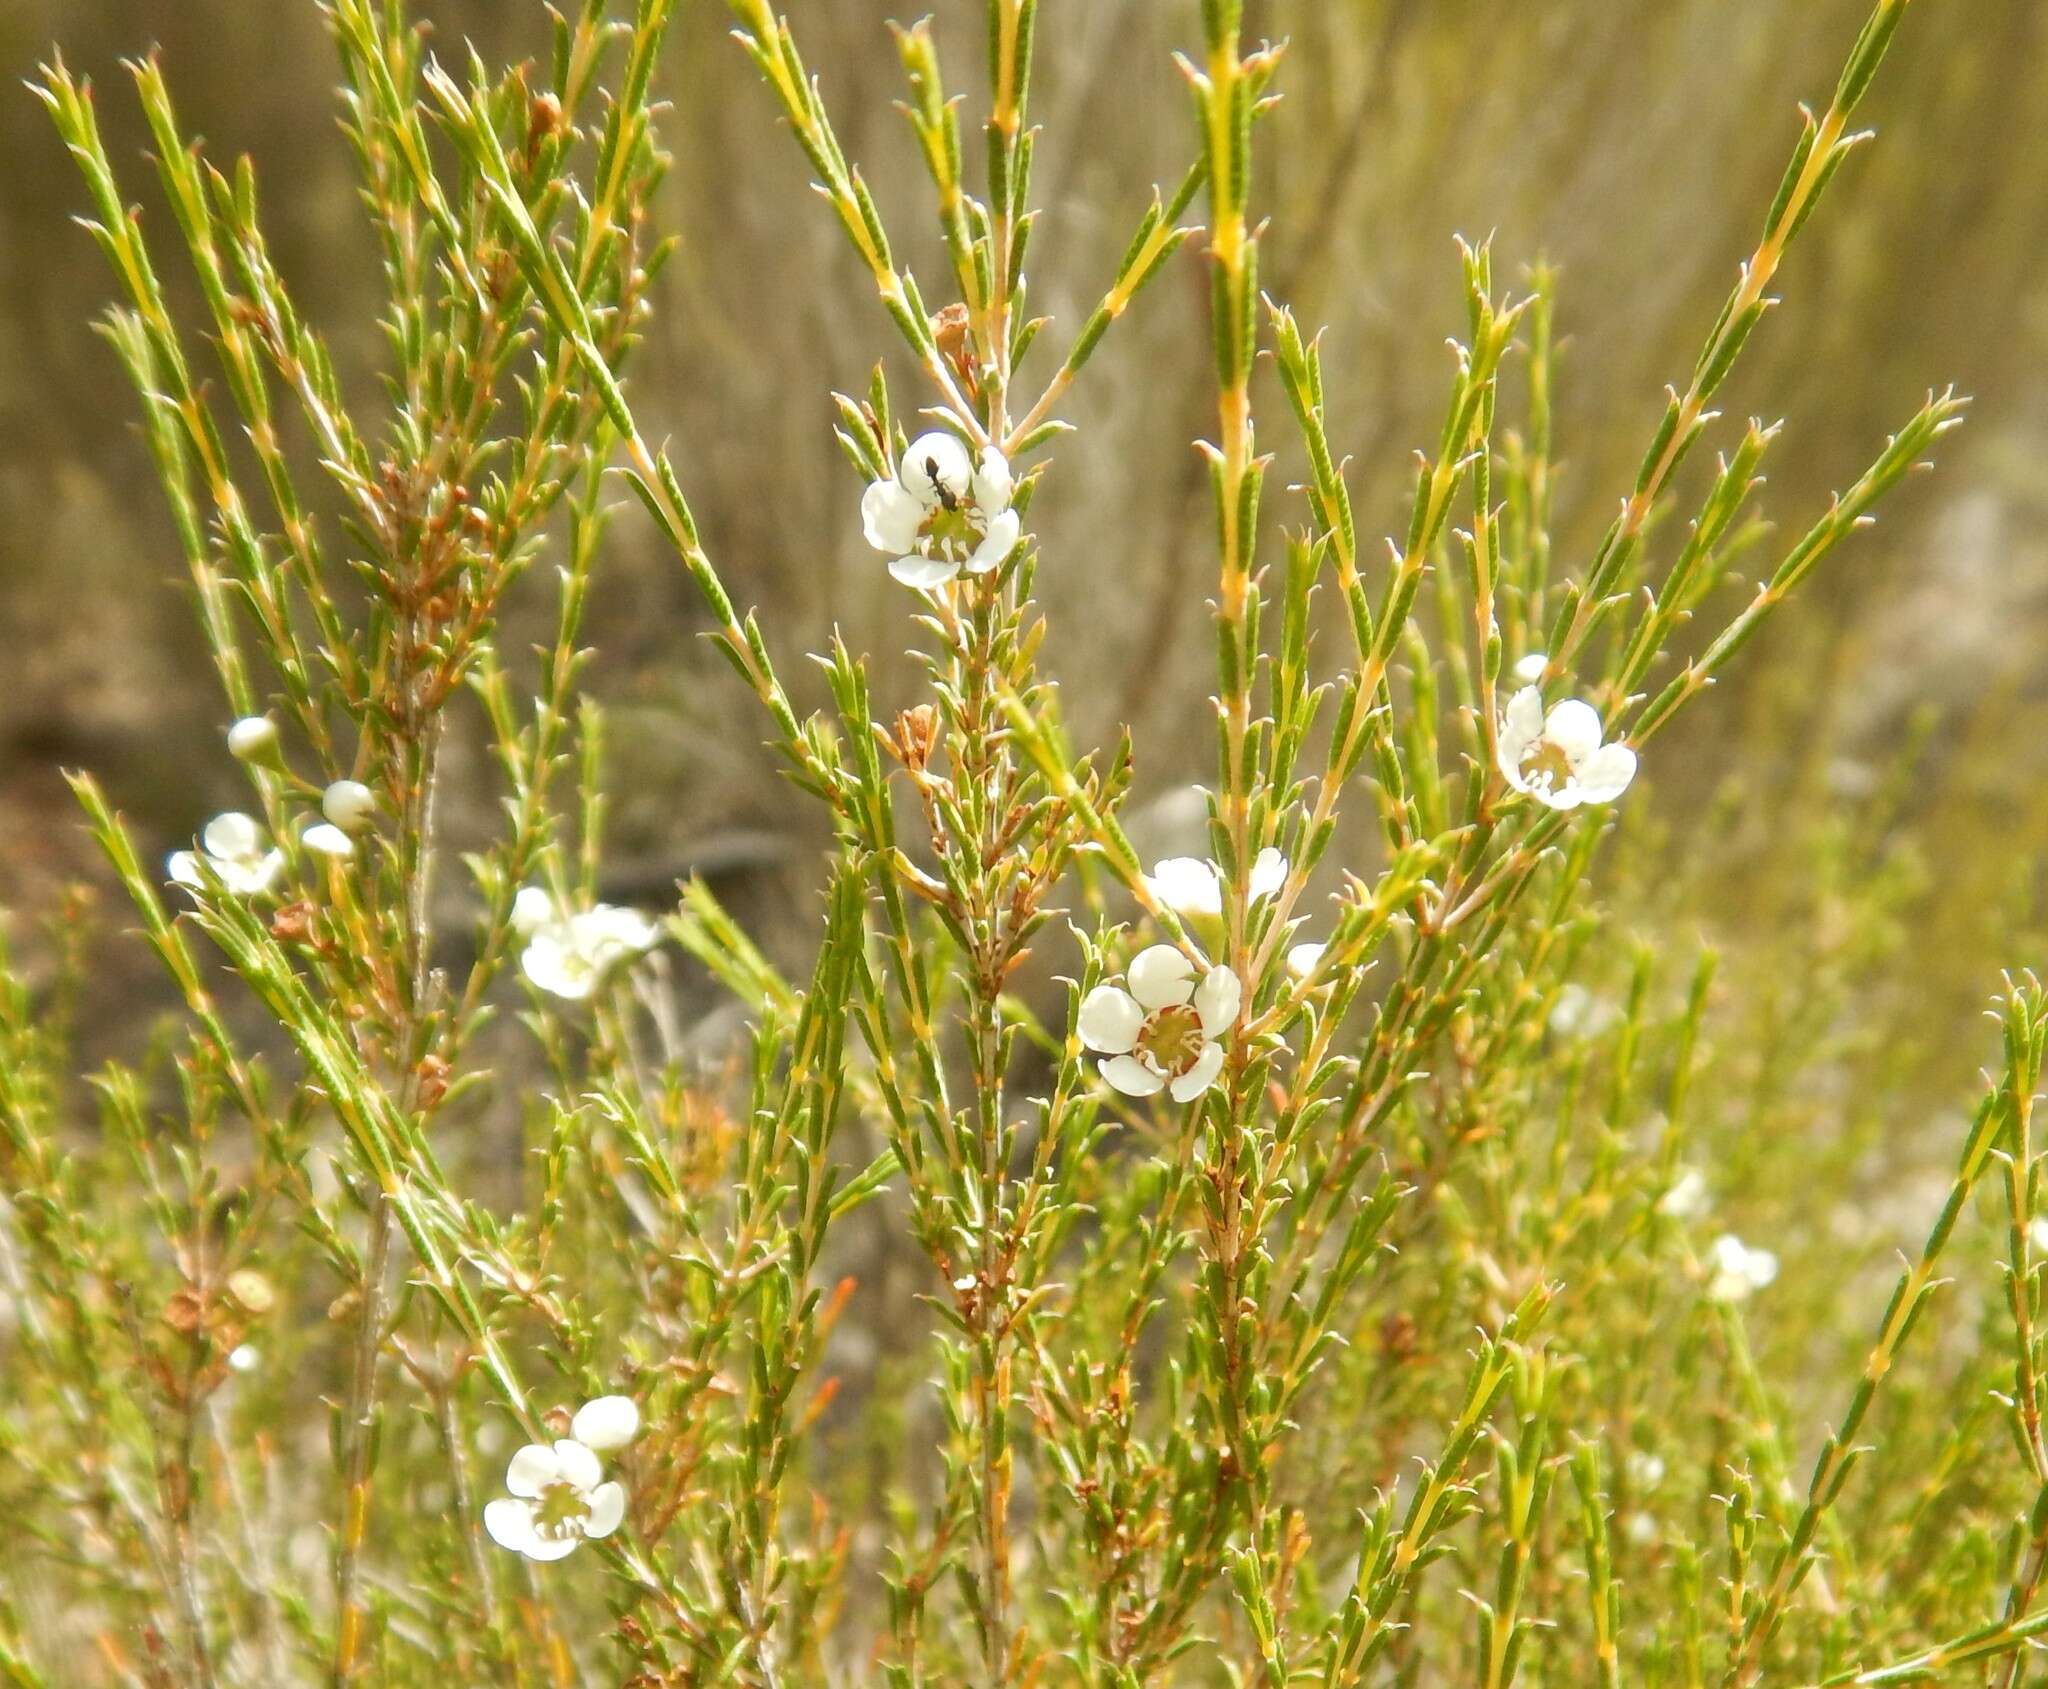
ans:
(559, 1497)
(1166, 1032)
(568, 952)
(944, 511)
(1189, 885)
(234, 847)
(1739, 1270)
(1558, 758)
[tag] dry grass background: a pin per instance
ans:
(1630, 144)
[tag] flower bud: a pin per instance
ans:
(251, 738)
(349, 804)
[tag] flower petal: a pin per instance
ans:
(249, 879)
(532, 909)
(1573, 726)
(532, 1469)
(1198, 1078)
(579, 1465)
(183, 868)
(890, 517)
(1109, 1020)
(993, 482)
(1131, 1076)
(607, 1510)
(1606, 774)
(510, 1525)
(1530, 669)
(234, 837)
(1521, 725)
(935, 463)
(1217, 1001)
(607, 1422)
(554, 965)
(996, 545)
(924, 573)
(551, 1548)
(1187, 885)
(1269, 873)
(1161, 977)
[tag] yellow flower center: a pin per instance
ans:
(1173, 1038)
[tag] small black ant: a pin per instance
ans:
(947, 497)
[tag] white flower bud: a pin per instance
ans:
(349, 804)
(328, 841)
(252, 737)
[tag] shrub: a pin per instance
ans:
(1326, 1272)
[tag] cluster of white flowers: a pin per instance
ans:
(1166, 1031)
(1738, 1270)
(568, 952)
(943, 512)
(233, 845)
(1558, 758)
(560, 1496)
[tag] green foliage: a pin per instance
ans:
(1259, 1352)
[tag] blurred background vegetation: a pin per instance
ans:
(1857, 824)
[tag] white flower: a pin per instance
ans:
(1530, 669)
(568, 953)
(349, 804)
(558, 1498)
(1189, 885)
(1558, 759)
(1687, 1198)
(1645, 1470)
(2037, 1233)
(245, 1357)
(1304, 959)
(328, 840)
(252, 737)
(1166, 1031)
(609, 1422)
(1641, 1528)
(1738, 1269)
(1577, 1013)
(943, 512)
(234, 848)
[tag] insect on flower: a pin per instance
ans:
(943, 512)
